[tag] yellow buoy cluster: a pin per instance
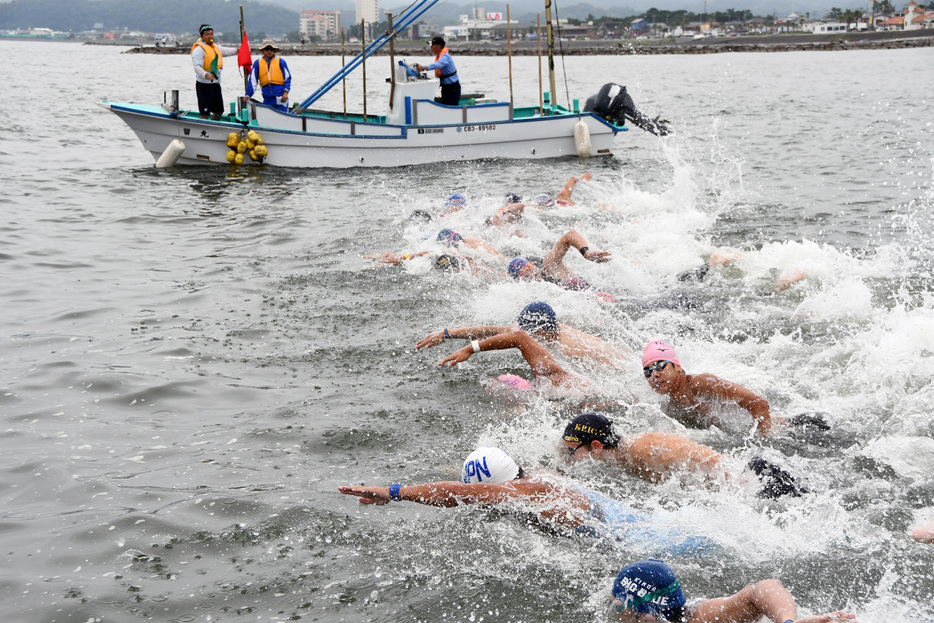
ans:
(252, 145)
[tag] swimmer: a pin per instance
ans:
(544, 200)
(719, 260)
(648, 590)
(491, 478)
(543, 365)
(539, 320)
(659, 456)
(447, 238)
(692, 397)
(553, 269)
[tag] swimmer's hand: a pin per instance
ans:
(586, 177)
(432, 339)
(368, 495)
(833, 617)
(598, 256)
(458, 356)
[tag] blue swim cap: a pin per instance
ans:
(512, 198)
(649, 587)
(538, 316)
(515, 267)
(456, 199)
(449, 237)
(544, 200)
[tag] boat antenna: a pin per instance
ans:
(567, 92)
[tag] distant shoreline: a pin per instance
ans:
(885, 40)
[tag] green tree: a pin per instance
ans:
(850, 16)
(884, 6)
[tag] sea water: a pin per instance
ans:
(193, 360)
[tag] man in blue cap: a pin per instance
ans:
(446, 71)
(648, 590)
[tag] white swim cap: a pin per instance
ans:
(489, 465)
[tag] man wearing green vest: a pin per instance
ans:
(208, 60)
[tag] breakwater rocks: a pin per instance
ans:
(763, 43)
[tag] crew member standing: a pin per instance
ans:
(273, 75)
(444, 69)
(208, 60)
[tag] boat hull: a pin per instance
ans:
(313, 141)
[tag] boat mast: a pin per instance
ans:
(551, 51)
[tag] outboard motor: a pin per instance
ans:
(614, 104)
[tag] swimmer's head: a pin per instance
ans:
(659, 350)
(447, 262)
(589, 427)
(514, 381)
(512, 198)
(420, 216)
(522, 269)
(649, 587)
(538, 317)
(490, 465)
(544, 200)
(509, 389)
(455, 200)
(449, 237)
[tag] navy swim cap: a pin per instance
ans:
(538, 316)
(515, 267)
(512, 198)
(456, 199)
(449, 237)
(591, 426)
(649, 587)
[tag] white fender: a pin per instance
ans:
(582, 139)
(171, 154)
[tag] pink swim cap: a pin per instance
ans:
(659, 350)
(514, 381)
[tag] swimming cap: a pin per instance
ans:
(489, 465)
(516, 266)
(591, 426)
(420, 216)
(650, 587)
(659, 350)
(513, 380)
(449, 237)
(544, 200)
(447, 262)
(456, 199)
(538, 316)
(512, 198)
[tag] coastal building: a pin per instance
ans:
(368, 11)
(325, 25)
(478, 26)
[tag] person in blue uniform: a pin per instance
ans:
(272, 74)
(444, 69)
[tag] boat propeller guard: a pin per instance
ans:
(614, 104)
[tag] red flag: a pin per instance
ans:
(243, 55)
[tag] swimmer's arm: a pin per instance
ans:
(536, 355)
(565, 193)
(767, 598)
(479, 245)
(394, 258)
(576, 343)
(757, 406)
(463, 333)
(553, 260)
(445, 494)
(657, 456)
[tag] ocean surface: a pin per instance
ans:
(193, 360)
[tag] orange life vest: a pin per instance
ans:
(437, 58)
(210, 51)
(271, 72)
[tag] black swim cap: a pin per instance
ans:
(420, 216)
(591, 426)
(447, 262)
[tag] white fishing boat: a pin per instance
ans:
(415, 128)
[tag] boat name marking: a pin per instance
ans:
(430, 130)
(480, 128)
